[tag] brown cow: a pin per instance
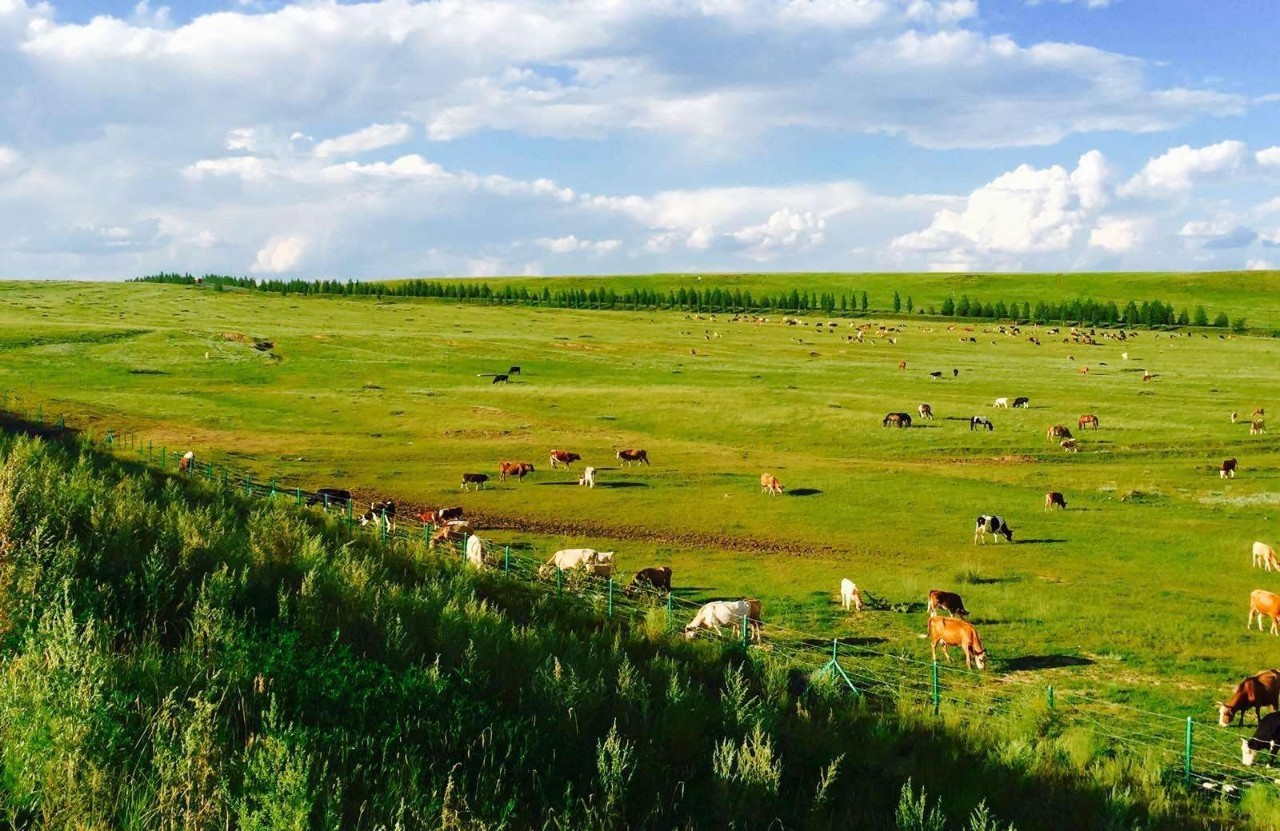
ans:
(769, 484)
(1228, 469)
(925, 411)
(1054, 499)
(1084, 370)
(516, 469)
(563, 457)
(1057, 431)
(1257, 426)
(897, 420)
(656, 579)
(636, 456)
(450, 531)
(949, 631)
(902, 364)
(1264, 604)
(1087, 420)
(1253, 693)
(950, 601)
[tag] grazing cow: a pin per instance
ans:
(657, 579)
(1146, 375)
(515, 370)
(500, 379)
(994, 525)
(571, 558)
(949, 631)
(477, 479)
(769, 484)
(1053, 499)
(327, 497)
(384, 512)
(588, 477)
(1022, 403)
(902, 364)
(1087, 420)
(849, 595)
(1069, 445)
(1257, 426)
(475, 551)
(935, 375)
(1264, 556)
(188, 459)
(925, 411)
(1235, 417)
(948, 601)
(446, 515)
(563, 457)
(1228, 469)
(454, 529)
(720, 613)
(955, 373)
(1264, 604)
(1264, 738)
(1001, 402)
(979, 422)
(900, 420)
(1057, 431)
(627, 457)
(516, 469)
(1253, 693)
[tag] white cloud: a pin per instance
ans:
(1259, 265)
(571, 245)
(1179, 168)
(1088, 4)
(1114, 234)
(280, 254)
(1270, 157)
(9, 159)
(785, 228)
(373, 137)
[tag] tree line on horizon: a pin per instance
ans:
(1150, 313)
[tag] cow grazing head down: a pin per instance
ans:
(980, 659)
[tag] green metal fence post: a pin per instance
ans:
(298, 495)
(745, 636)
(150, 450)
(937, 699)
(506, 561)
(382, 527)
(668, 610)
(164, 458)
(208, 472)
(426, 533)
(273, 488)
(224, 476)
(610, 612)
(1186, 763)
(1050, 696)
(559, 581)
(248, 485)
(111, 438)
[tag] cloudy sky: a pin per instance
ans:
(397, 138)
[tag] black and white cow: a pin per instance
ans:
(380, 512)
(979, 422)
(1022, 402)
(994, 525)
(1265, 737)
(477, 479)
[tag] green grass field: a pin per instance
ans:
(1138, 592)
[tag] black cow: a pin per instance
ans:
(1264, 738)
(1023, 402)
(955, 373)
(477, 479)
(500, 379)
(978, 422)
(650, 579)
(330, 497)
(446, 514)
(994, 525)
(515, 370)
(935, 375)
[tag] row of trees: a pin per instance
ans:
(725, 300)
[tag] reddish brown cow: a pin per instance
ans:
(769, 484)
(1057, 431)
(1253, 693)
(1053, 499)
(949, 601)
(949, 631)
(650, 579)
(516, 469)
(627, 457)
(563, 457)
(1087, 420)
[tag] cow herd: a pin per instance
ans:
(558, 459)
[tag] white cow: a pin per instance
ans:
(588, 477)
(475, 551)
(1264, 556)
(720, 613)
(570, 558)
(849, 595)
(1001, 402)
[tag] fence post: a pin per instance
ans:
(248, 485)
(298, 495)
(383, 526)
(40, 414)
(426, 533)
(559, 581)
(224, 476)
(745, 637)
(273, 488)
(1050, 696)
(937, 699)
(610, 597)
(1186, 764)
(111, 438)
(506, 561)
(668, 610)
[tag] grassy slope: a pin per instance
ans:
(1150, 592)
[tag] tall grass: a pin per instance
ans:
(177, 657)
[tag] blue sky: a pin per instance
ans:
(481, 137)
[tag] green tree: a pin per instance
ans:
(948, 307)
(910, 304)
(897, 302)
(864, 301)
(1202, 317)
(1221, 320)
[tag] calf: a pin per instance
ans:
(1022, 403)
(925, 411)
(1053, 499)
(588, 477)
(1253, 693)
(994, 525)
(1257, 426)
(900, 420)
(627, 457)
(516, 469)
(902, 364)
(656, 579)
(849, 595)
(500, 379)
(769, 484)
(720, 613)
(979, 422)
(477, 479)
(1264, 738)
(563, 457)
(384, 512)
(1228, 469)
(1087, 420)
(1264, 604)
(188, 459)
(445, 515)
(1001, 402)
(1264, 556)
(1235, 417)
(948, 601)
(947, 631)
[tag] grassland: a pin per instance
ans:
(1138, 592)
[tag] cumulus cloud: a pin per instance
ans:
(785, 228)
(1181, 167)
(1114, 234)
(373, 137)
(571, 245)
(1223, 232)
(280, 254)
(9, 159)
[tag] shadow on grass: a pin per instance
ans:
(1029, 663)
(804, 492)
(622, 484)
(1044, 541)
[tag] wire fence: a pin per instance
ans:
(1200, 754)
